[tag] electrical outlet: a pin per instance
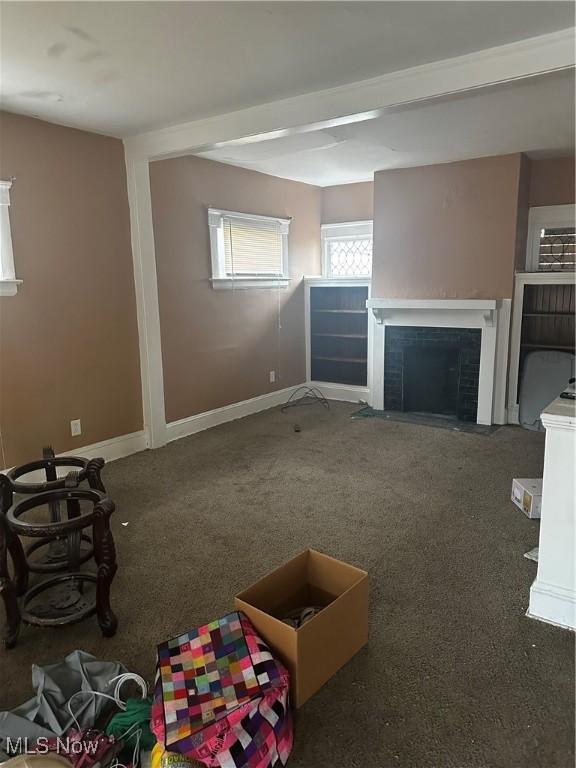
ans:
(272, 377)
(75, 427)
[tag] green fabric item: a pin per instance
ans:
(137, 711)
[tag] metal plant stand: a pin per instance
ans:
(61, 546)
(64, 599)
(54, 557)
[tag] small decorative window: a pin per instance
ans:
(552, 239)
(347, 249)
(557, 250)
(8, 281)
(248, 250)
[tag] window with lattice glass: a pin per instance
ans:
(557, 250)
(350, 258)
(347, 249)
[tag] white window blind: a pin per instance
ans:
(248, 250)
(252, 246)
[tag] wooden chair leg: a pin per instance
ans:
(105, 556)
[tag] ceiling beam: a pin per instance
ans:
(362, 100)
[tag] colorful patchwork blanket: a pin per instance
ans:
(221, 698)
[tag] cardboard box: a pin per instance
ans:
(527, 495)
(316, 650)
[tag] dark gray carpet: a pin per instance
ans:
(455, 675)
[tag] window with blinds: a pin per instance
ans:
(248, 250)
(252, 246)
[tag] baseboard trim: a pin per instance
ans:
(513, 414)
(552, 604)
(109, 450)
(348, 394)
(201, 421)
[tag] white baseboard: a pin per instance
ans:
(109, 450)
(553, 604)
(513, 414)
(201, 421)
(348, 394)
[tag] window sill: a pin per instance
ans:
(350, 280)
(219, 283)
(9, 287)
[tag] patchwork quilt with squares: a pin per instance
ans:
(221, 697)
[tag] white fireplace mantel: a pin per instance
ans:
(492, 316)
(382, 308)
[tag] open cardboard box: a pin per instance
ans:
(316, 650)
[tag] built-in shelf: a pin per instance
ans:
(549, 314)
(342, 311)
(570, 347)
(542, 319)
(548, 320)
(340, 359)
(343, 335)
(338, 338)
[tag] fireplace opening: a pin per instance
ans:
(431, 380)
(432, 370)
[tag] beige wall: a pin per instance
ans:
(68, 339)
(446, 231)
(552, 181)
(348, 202)
(218, 346)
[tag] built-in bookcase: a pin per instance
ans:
(338, 329)
(548, 317)
(543, 318)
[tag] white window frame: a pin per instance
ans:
(8, 282)
(348, 230)
(545, 217)
(220, 278)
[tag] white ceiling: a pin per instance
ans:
(126, 67)
(532, 115)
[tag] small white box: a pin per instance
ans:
(527, 495)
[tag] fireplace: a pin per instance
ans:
(457, 347)
(432, 370)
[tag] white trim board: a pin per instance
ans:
(552, 604)
(342, 392)
(147, 308)
(110, 450)
(363, 100)
(201, 421)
